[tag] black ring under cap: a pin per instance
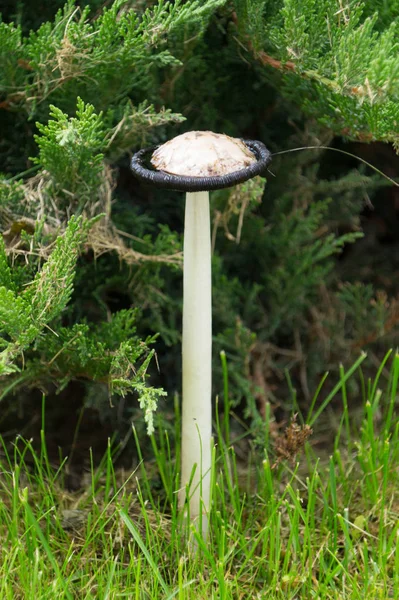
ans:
(184, 183)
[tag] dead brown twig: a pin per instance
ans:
(291, 441)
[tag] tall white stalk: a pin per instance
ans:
(199, 160)
(197, 361)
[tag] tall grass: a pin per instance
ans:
(320, 526)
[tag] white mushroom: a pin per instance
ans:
(202, 154)
(197, 162)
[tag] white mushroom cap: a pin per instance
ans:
(202, 154)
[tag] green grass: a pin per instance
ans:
(316, 527)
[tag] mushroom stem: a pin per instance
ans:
(197, 362)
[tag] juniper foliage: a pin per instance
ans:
(339, 59)
(112, 59)
(90, 261)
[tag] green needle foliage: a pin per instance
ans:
(70, 150)
(107, 353)
(105, 59)
(90, 261)
(53, 333)
(340, 58)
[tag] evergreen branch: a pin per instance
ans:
(51, 290)
(345, 67)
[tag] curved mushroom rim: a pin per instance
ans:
(184, 183)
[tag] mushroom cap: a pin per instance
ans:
(202, 154)
(201, 161)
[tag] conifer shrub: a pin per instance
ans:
(56, 220)
(90, 261)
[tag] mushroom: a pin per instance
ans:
(197, 162)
